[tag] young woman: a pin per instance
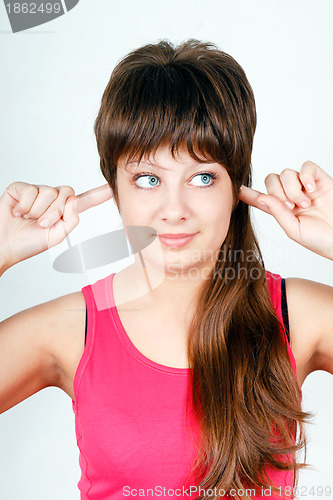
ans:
(191, 387)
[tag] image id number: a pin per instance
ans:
(31, 8)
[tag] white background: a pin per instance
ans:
(52, 79)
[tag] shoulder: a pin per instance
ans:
(310, 311)
(39, 346)
(58, 316)
(63, 320)
(59, 324)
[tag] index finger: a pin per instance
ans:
(249, 196)
(93, 197)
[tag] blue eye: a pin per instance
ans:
(143, 176)
(153, 180)
(205, 178)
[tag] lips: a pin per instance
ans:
(179, 235)
(176, 240)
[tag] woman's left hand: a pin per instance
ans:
(310, 225)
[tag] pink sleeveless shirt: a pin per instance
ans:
(130, 411)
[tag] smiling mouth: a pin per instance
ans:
(176, 241)
(177, 235)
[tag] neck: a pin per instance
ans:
(152, 289)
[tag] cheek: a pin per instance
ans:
(220, 210)
(134, 213)
(128, 207)
(218, 206)
(219, 229)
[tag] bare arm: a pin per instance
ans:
(38, 348)
(310, 309)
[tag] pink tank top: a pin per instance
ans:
(130, 411)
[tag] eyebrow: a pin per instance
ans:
(147, 162)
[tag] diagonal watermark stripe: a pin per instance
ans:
(104, 249)
(26, 15)
(70, 4)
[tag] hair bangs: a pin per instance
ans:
(165, 105)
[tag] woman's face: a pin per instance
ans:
(177, 196)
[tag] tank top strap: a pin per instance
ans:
(97, 316)
(276, 287)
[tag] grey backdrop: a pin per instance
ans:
(52, 79)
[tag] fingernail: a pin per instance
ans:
(26, 216)
(44, 223)
(17, 214)
(309, 188)
(304, 204)
(263, 204)
(289, 204)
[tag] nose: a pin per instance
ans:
(174, 206)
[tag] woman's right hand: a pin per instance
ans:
(23, 236)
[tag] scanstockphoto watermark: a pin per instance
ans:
(119, 244)
(162, 491)
(229, 264)
(287, 492)
(26, 15)
(229, 255)
(227, 273)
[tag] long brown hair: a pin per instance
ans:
(242, 387)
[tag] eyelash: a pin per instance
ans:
(135, 177)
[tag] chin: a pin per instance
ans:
(177, 261)
(191, 266)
